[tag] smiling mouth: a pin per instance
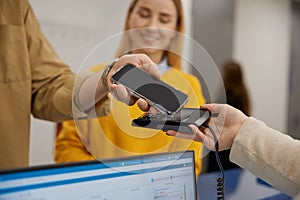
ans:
(149, 38)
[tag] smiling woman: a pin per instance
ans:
(154, 28)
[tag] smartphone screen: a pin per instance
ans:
(162, 96)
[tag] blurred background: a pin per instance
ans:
(263, 35)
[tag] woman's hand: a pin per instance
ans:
(119, 91)
(226, 127)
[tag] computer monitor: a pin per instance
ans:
(154, 176)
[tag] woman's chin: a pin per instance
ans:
(151, 50)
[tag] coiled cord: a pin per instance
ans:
(220, 180)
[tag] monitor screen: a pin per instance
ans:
(153, 176)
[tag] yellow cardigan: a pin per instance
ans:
(113, 135)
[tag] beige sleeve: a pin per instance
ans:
(269, 154)
(52, 80)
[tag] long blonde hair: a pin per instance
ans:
(175, 49)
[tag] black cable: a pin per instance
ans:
(220, 180)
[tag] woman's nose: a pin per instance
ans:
(152, 25)
(153, 22)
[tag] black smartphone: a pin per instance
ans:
(165, 98)
(179, 122)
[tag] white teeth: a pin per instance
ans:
(149, 38)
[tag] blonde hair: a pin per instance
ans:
(175, 49)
